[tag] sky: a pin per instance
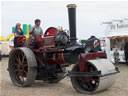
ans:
(90, 15)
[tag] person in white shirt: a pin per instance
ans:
(36, 30)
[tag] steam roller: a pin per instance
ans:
(46, 58)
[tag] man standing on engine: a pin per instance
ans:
(36, 30)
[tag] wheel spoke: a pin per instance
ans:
(21, 79)
(17, 59)
(86, 83)
(18, 67)
(25, 72)
(21, 76)
(89, 85)
(16, 70)
(23, 57)
(25, 65)
(21, 67)
(16, 64)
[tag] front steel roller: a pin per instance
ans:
(22, 67)
(93, 84)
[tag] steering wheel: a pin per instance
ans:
(21, 40)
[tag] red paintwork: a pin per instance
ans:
(45, 41)
(21, 40)
(49, 41)
(51, 32)
(40, 41)
(89, 56)
(12, 47)
(58, 58)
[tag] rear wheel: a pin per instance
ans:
(85, 84)
(22, 67)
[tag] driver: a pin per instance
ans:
(17, 33)
(36, 30)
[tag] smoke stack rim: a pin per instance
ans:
(71, 6)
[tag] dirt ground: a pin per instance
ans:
(64, 88)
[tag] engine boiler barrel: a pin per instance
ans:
(61, 58)
(72, 22)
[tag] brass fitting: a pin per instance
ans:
(71, 6)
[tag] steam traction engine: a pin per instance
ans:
(47, 58)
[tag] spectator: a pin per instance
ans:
(116, 56)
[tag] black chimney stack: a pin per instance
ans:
(72, 22)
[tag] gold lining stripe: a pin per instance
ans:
(48, 37)
(71, 6)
